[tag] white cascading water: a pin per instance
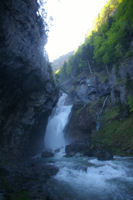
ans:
(99, 114)
(54, 137)
(82, 177)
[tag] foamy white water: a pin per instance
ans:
(82, 178)
(54, 137)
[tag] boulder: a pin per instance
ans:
(85, 150)
(75, 148)
(47, 154)
(103, 155)
(51, 170)
(57, 150)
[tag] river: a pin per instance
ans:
(80, 177)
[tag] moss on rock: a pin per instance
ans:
(116, 133)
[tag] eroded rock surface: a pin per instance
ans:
(81, 124)
(26, 180)
(27, 88)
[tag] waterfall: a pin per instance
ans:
(54, 137)
(99, 114)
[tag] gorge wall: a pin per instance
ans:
(102, 112)
(27, 89)
(99, 80)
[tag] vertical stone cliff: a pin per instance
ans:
(27, 89)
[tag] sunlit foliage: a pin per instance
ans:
(109, 41)
(112, 38)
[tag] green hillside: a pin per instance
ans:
(109, 41)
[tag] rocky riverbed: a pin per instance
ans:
(26, 180)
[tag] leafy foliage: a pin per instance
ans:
(116, 134)
(78, 62)
(21, 196)
(112, 39)
(130, 103)
(108, 42)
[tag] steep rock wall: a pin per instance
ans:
(27, 88)
(81, 124)
(114, 116)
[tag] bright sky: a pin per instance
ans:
(72, 19)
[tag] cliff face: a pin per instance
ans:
(27, 88)
(102, 114)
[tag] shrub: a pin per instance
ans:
(130, 103)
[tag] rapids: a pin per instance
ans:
(80, 177)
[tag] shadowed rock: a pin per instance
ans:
(47, 154)
(27, 88)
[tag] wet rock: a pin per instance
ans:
(70, 154)
(1, 196)
(83, 168)
(75, 148)
(57, 150)
(103, 155)
(84, 149)
(4, 172)
(47, 154)
(51, 170)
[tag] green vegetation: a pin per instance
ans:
(77, 63)
(21, 196)
(105, 50)
(112, 113)
(95, 106)
(108, 42)
(130, 103)
(112, 39)
(115, 133)
(79, 110)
